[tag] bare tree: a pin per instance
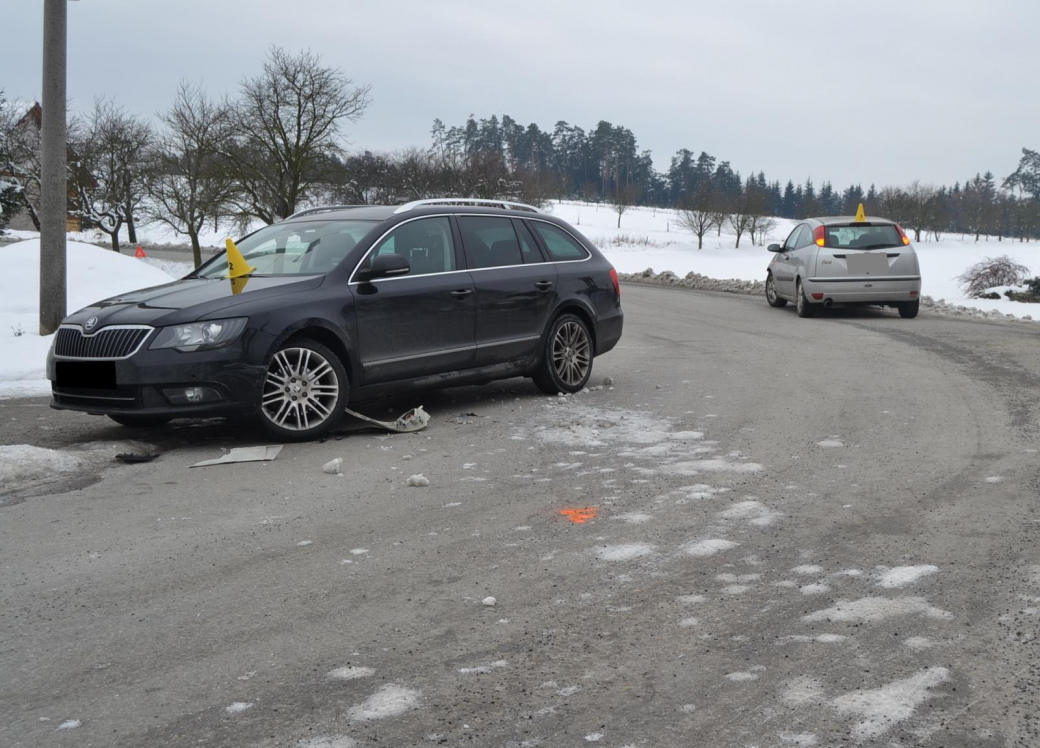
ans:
(112, 151)
(739, 216)
(990, 273)
(918, 200)
(188, 187)
(285, 131)
(697, 215)
(625, 198)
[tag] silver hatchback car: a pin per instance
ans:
(845, 261)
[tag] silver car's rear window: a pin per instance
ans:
(863, 237)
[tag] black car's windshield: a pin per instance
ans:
(863, 237)
(298, 248)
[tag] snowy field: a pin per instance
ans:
(93, 274)
(650, 238)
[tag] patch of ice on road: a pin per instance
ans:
(785, 583)
(688, 622)
(333, 467)
(453, 503)
(807, 569)
(901, 576)
(633, 518)
(870, 609)
(568, 690)
(594, 737)
(830, 638)
(917, 643)
(801, 738)
(703, 548)
(690, 599)
(994, 479)
(881, 708)
(469, 465)
(70, 724)
(238, 707)
(815, 589)
(624, 552)
(327, 741)
(848, 573)
(697, 492)
(716, 465)
(688, 708)
(389, 701)
(23, 464)
(484, 669)
(358, 551)
(742, 676)
(522, 528)
(305, 542)
(735, 589)
(417, 481)
(738, 578)
(754, 512)
(832, 443)
(350, 672)
(803, 690)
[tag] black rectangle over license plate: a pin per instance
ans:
(87, 375)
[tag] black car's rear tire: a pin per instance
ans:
(909, 309)
(304, 394)
(567, 359)
(804, 308)
(133, 421)
(772, 297)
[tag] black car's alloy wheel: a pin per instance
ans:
(567, 362)
(304, 393)
(771, 295)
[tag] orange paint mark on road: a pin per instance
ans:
(580, 516)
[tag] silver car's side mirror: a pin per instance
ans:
(775, 248)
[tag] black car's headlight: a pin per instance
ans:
(200, 336)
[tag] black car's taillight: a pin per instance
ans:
(617, 283)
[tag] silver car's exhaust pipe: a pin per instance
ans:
(827, 303)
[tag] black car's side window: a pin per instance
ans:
(561, 245)
(490, 242)
(528, 246)
(425, 243)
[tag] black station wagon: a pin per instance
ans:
(342, 304)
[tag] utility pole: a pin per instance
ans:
(54, 189)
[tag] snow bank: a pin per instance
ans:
(93, 274)
(22, 464)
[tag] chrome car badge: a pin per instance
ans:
(90, 324)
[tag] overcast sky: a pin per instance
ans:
(882, 91)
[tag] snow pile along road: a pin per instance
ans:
(93, 274)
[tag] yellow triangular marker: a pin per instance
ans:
(237, 265)
(860, 215)
(237, 284)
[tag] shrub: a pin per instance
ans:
(992, 271)
(990, 295)
(1033, 284)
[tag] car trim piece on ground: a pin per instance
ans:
(98, 332)
(378, 241)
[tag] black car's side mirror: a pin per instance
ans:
(775, 248)
(385, 266)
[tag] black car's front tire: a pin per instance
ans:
(304, 393)
(567, 359)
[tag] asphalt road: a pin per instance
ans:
(805, 532)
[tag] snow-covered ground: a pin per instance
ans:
(93, 274)
(651, 238)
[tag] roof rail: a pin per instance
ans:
(504, 204)
(323, 209)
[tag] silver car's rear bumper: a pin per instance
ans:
(863, 289)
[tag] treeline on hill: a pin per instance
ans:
(275, 147)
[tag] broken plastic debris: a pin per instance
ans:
(244, 454)
(333, 467)
(489, 601)
(580, 515)
(414, 420)
(418, 481)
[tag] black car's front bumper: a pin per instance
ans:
(153, 383)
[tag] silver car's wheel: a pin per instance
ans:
(771, 295)
(568, 357)
(304, 392)
(802, 305)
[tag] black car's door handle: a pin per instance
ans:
(461, 293)
(543, 285)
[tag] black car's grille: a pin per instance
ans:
(115, 342)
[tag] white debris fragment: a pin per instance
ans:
(333, 467)
(877, 609)
(238, 707)
(624, 552)
(807, 569)
(70, 724)
(389, 701)
(815, 589)
(830, 444)
(489, 601)
(304, 542)
(418, 481)
(594, 737)
(742, 676)
(902, 576)
(484, 669)
(881, 708)
(350, 672)
(702, 548)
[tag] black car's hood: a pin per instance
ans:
(188, 300)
